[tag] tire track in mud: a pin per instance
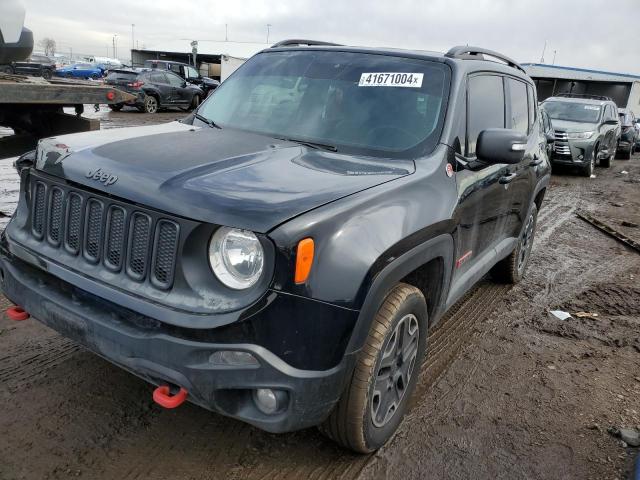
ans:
(25, 362)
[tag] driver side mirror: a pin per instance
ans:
(501, 145)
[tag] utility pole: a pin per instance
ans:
(268, 28)
(554, 57)
(115, 45)
(226, 32)
(133, 43)
(543, 50)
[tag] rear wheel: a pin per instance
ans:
(512, 268)
(627, 155)
(46, 74)
(150, 104)
(195, 102)
(377, 396)
(116, 107)
(6, 69)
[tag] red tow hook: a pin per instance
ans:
(162, 396)
(17, 314)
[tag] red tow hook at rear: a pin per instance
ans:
(162, 396)
(17, 314)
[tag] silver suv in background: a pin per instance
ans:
(587, 130)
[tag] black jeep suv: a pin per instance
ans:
(280, 255)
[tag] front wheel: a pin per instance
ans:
(387, 368)
(46, 74)
(512, 268)
(116, 107)
(589, 168)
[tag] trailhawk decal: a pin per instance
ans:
(391, 79)
(463, 259)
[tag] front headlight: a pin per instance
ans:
(579, 135)
(236, 257)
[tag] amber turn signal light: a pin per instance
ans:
(304, 259)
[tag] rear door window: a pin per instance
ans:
(174, 80)
(518, 110)
(158, 77)
(485, 107)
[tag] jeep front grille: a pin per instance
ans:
(124, 238)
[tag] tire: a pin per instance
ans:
(116, 107)
(150, 104)
(606, 162)
(356, 423)
(8, 69)
(195, 102)
(512, 269)
(46, 74)
(588, 169)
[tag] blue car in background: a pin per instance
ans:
(80, 70)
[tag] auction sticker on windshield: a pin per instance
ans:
(391, 79)
(591, 107)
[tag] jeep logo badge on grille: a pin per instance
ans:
(101, 176)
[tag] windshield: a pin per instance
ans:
(573, 111)
(371, 103)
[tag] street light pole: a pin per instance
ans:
(133, 43)
(268, 27)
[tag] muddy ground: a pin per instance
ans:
(507, 392)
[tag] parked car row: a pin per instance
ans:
(585, 130)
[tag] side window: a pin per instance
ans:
(533, 108)
(174, 68)
(485, 107)
(518, 100)
(190, 72)
(175, 81)
(157, 77)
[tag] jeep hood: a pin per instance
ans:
(568, 126)
(226, 177)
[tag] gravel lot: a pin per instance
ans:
(507, 392)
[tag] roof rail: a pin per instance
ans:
(584, 95)
(477, 53)
(301, 42)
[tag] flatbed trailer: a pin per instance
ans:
(33, 108)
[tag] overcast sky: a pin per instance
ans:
(595, 34)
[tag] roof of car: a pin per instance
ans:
(469, 58)
(587, 101)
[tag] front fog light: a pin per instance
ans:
(236, 257)
(269, 401)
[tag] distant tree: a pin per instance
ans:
(48, 45)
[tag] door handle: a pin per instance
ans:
(507, 178)
(535, 162)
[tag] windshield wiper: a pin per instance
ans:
(208, 121)
(316, 145)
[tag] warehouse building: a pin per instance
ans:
(213, 59)
(550, 80)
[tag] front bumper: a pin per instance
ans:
(573, 152)
(162, 354)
